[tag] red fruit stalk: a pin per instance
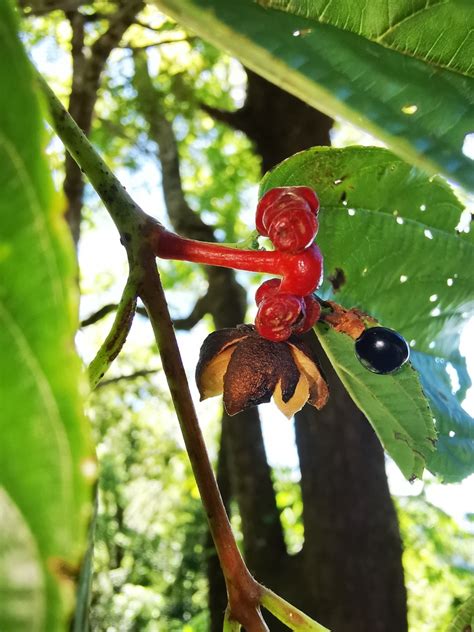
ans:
(301, 272)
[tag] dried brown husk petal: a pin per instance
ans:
(309, 366)
(254, 370)
(298, 399)
(216, 351)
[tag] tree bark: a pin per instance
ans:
(351, 530)
(88, 65)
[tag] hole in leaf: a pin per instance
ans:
(409, 109)
(468, 145)
(337, 279)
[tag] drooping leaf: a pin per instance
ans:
(45, 454)
(390, 245)
(417, 101)
(394, 404)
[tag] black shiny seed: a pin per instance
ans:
(382, 350)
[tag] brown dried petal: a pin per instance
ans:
(309, 366)
(297, 401)
(210, 379)
(255, 368)
(214, 357)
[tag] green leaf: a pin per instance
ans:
(46, 456)
(421, 110)
(388, 234)
(464, 620)
(394, 404)
(415, 28)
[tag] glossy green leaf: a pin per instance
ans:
(422, 111)
(464, 620)
(439, 33)
(394, 404)
(388, 234)
(45, 454)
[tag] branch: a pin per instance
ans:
(183, 218)
(198, 312)
(101, 313)
(243, 590)
(200, 309)
(41, 7)
(87, 71)
(129, 377)
(114, 342)
(288, 614)
(230, 625)
(160, 43)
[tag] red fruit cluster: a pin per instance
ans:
(288, 216)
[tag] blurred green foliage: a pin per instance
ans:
(150, 532)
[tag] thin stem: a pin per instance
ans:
(249, 243)
(243, 590)
(115, 340)
(288, 614)
(230, 625)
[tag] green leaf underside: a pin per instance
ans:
(344, 74)
(437, 31)
(455, 446)
(394, 404)
(388, 231)
(44, 497)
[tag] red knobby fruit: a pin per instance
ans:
(293, 229)
(268, 288)
(281, 197)
(277, 314)
(313, 311)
